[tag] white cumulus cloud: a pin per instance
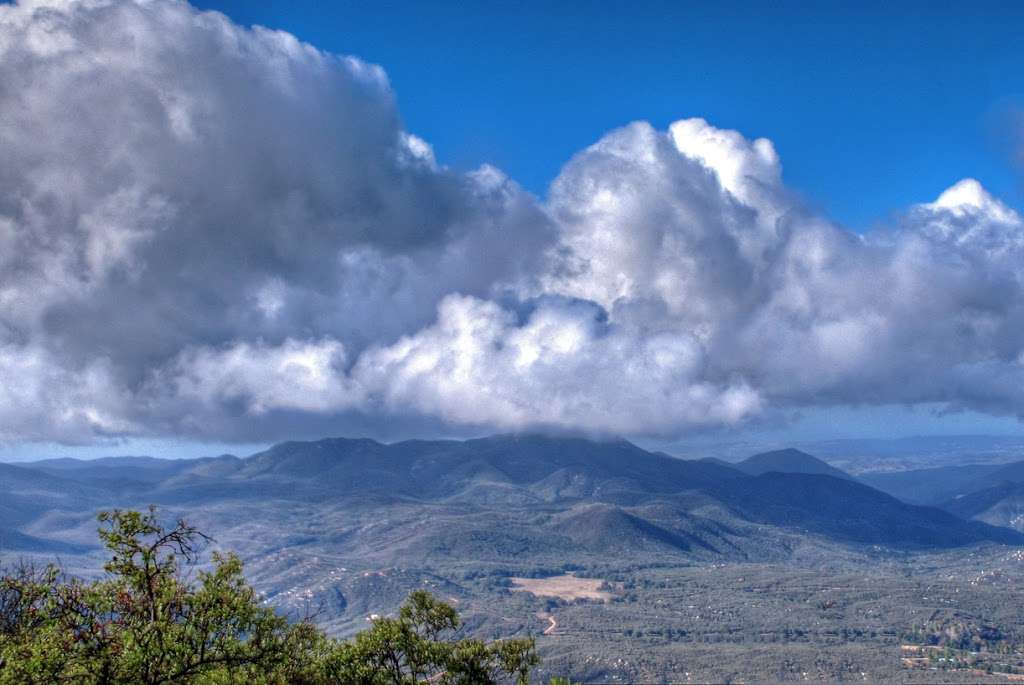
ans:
(219, 232)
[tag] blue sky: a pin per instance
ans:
(872, 106)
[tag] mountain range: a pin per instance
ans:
(690, 552)
(586, 495)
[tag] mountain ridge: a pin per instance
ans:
(508, 472)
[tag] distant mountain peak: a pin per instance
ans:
(789, 460)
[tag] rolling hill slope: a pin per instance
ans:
(999, 505)
(931, 486)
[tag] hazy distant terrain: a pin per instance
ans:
(859, 456)
(782, 558)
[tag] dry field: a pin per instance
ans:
(567, 587)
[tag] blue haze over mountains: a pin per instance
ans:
(660, 494)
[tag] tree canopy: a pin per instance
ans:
(148, 621)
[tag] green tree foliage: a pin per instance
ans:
(148, 621)
(417, 647)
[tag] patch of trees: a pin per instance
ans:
(151, 621)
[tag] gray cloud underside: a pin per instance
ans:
(218, 232)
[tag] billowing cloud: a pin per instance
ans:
(171, 181)
(219, 232)
(561, 367)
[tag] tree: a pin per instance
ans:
(419, 646)
(147, 621)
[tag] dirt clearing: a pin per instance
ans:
(567, 587)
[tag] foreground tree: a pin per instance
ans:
(149, 622)
(419, 646)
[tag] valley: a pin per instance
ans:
(626, 565)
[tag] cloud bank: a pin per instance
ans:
(216, 232)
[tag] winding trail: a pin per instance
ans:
(554, 624)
